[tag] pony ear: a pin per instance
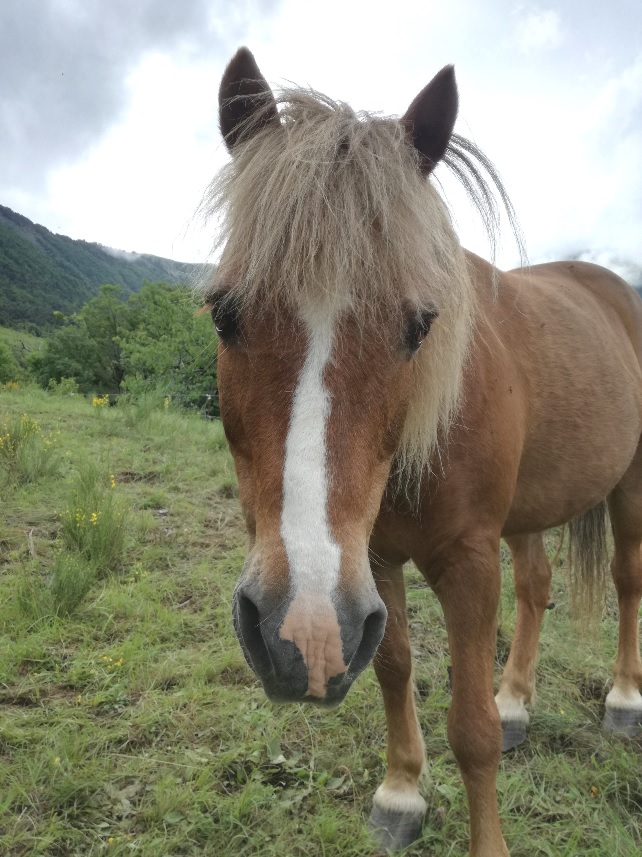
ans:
(430, 119)
(244, 94)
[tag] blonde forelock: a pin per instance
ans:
(330, 204)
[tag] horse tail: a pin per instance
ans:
(588, 562)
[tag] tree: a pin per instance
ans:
(152, 340)
(168, 345)
(87, 346)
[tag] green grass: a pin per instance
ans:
(20, 345)
(130, 723)
(20, 341)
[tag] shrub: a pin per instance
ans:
(139, 408)
(64, 387)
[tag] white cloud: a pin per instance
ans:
(624, 268)
(563, 126)
(539, 30)
(138, 187)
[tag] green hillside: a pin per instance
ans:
(19, 340)
(15, 346)
(41, 272)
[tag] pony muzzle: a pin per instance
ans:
(307, 649)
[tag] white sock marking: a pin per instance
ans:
(627, 700)
(401, 799)
(511, 709)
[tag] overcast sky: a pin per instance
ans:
(108, 115)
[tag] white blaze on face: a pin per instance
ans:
(314, 557)
(313, 554)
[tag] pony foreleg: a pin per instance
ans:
(532, 573)
(398, 808)
(468, 588)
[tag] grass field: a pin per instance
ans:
(19, 339)
(130, 724)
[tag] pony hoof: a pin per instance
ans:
(394, 830)
(513, 734)
(622, 721)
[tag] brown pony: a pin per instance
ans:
(388, 396)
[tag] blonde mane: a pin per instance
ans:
(331, 204)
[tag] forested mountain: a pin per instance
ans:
(41, 272)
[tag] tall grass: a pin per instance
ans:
(60, 594)
(27, 453)
(95, 521)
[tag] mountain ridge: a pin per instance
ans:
(42, 272)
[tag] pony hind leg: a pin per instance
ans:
(398, 808)
(623, 712)
(516, 693)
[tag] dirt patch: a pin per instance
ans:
(593, 689)
(228, 492)
(128, 476)
(21, 698)
(236, 675)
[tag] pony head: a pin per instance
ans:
(343, 306)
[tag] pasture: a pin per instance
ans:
(130, 723)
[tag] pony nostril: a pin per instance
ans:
(277, 662)
(373, 629)
(247, 623)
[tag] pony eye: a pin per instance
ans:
(226, 318)
(417, 329)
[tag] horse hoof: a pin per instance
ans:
(513, 734)
(622, 721)
(394, 830)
